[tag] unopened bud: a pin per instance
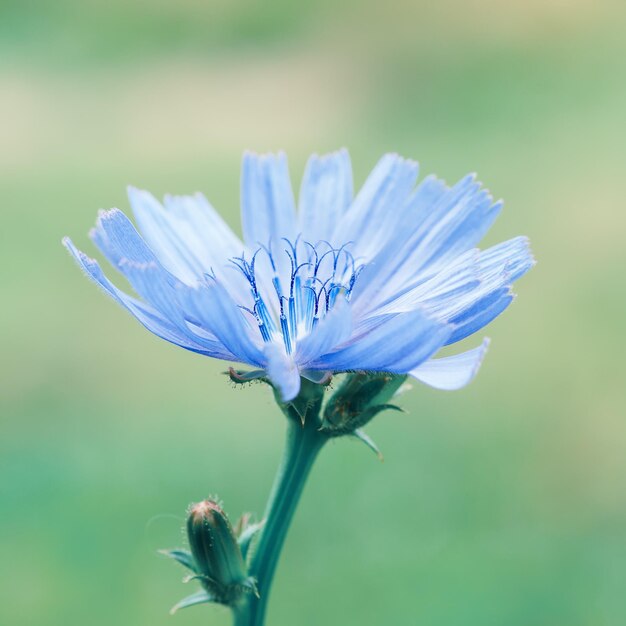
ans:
(219, 563)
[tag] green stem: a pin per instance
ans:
(302, 446)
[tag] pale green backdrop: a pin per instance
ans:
(503, 504)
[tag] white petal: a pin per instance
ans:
(282, 371)
(452, 372)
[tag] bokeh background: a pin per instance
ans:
(504, 503)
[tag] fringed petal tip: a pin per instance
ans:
(109, 214)
(84, 261)
(521, 258)
(269, 155)
(453, 372)
(136, 194)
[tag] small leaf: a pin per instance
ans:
(200, 597)
(300, 408)
(250, 585)
(306, 405)
(242, 524)
(390, 407)
(361, 436)
(246, 537)
(182, 556)
(201, 577)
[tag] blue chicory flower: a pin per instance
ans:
(379, 281)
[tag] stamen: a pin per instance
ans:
(346, 252)
(294, 249)
(325, 241)
(311, 307)
(319, 262)
(334, 290)
(268, 250)
(264, 332)
(286, 333)
(313, 250)
(263, 316)
(295, 315)
(353, 278)
(247, 270)
(277, 287)
(210, 276)
(293, 327)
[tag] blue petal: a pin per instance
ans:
(187, 235)
(511, 259)
(214, 309)
(332, 330)
(480, 314)
(128, 252)
(149, 317)
(452, 372)
(413, 214)
(154, 286)
(497, 267)
(325, 194)
(473, 282)
(118, 239)
(457, 279)
(461, 228)
(282, 371)
(121, 243)
(373, 214)
(398, 344)
(267, 203)
(455, 224)
(163, 237)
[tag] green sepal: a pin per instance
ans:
(359, 391)
(251, 587)
(184, 557)
(306, 405)
(357, 420)
(369, 442)
(247, 536)
(242, 523)
(241, 377)
(200, 597)
(205, 580)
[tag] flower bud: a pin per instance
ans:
(219, 563)
(360, 397)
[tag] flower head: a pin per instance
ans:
(217, 559)
(375, 282)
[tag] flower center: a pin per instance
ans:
(294, 285)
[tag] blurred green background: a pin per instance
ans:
(504, 503)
